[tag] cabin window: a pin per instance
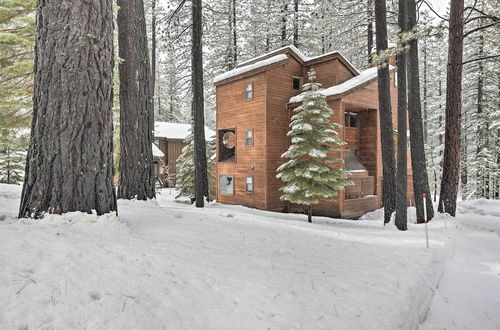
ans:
(297, 82)
(249, 91)
(249, 138)
(155, 169)
(249, 184)
(351, 119)
(226, 185)
(227, 145)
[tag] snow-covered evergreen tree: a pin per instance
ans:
(310, 173)
(185, 177)
(13, 145)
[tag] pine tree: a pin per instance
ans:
(136, 107)
(185, 178)
(385, 113)
(13, 144)
(17, 36)
(70, 157)
(309, 173)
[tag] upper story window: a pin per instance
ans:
(249, 138)
(249, 91)
(297, 82)
(351, 119)
(249, 184)
(227, 145)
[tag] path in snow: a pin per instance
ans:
(468, 296)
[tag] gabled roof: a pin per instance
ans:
(348, 85)
(176, 131)
(157, 152)
(279, 55)
(250, 67)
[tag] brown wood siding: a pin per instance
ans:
(351, 137)
(235, 112)
(279, 91)
(268, 116)
(354, 208)
(330, 73)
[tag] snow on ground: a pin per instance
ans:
(468, 296)
(167, 265)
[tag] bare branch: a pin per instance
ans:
(435, 13)
(480, 59)
(480, 28)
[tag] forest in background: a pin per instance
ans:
(236, 30)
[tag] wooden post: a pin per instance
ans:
(309, 213)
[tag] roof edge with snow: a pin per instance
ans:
(348, 85)
(251, 67)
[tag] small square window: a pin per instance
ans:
(351, 119)
(226, 185)
(249, 184)
(297, 82)
(249, 138)
(249, 91)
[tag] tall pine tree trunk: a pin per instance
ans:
(451, 162)
(200, 156)
(153, 53)
(402, 172)
(385, 113)
(69, 166)
(284, 14)
(136, 107)
(369, 29)
(418, 161)
(296, 23)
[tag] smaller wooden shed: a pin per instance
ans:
(169, 138)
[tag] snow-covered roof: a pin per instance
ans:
(364, 77)
(176, 131)
(297, 52)
(251, 67)
(156, 151)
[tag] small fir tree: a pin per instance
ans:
(309, 173)
(185, 177)
(13, 145)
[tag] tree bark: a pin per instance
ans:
(69, 165)
(200, 156)
(369, 33)
(385, 113)
(401, 219)
(235, 36)
(284, 14)
(136, 107)
(418, 161)
(451, 162)
(309, 213)
(296, 23)
(153, 52)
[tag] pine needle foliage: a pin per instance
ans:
(185, 177)
(310, 173)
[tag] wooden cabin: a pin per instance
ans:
(255, 102)
(169, 138)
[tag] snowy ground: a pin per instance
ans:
(167, 265)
